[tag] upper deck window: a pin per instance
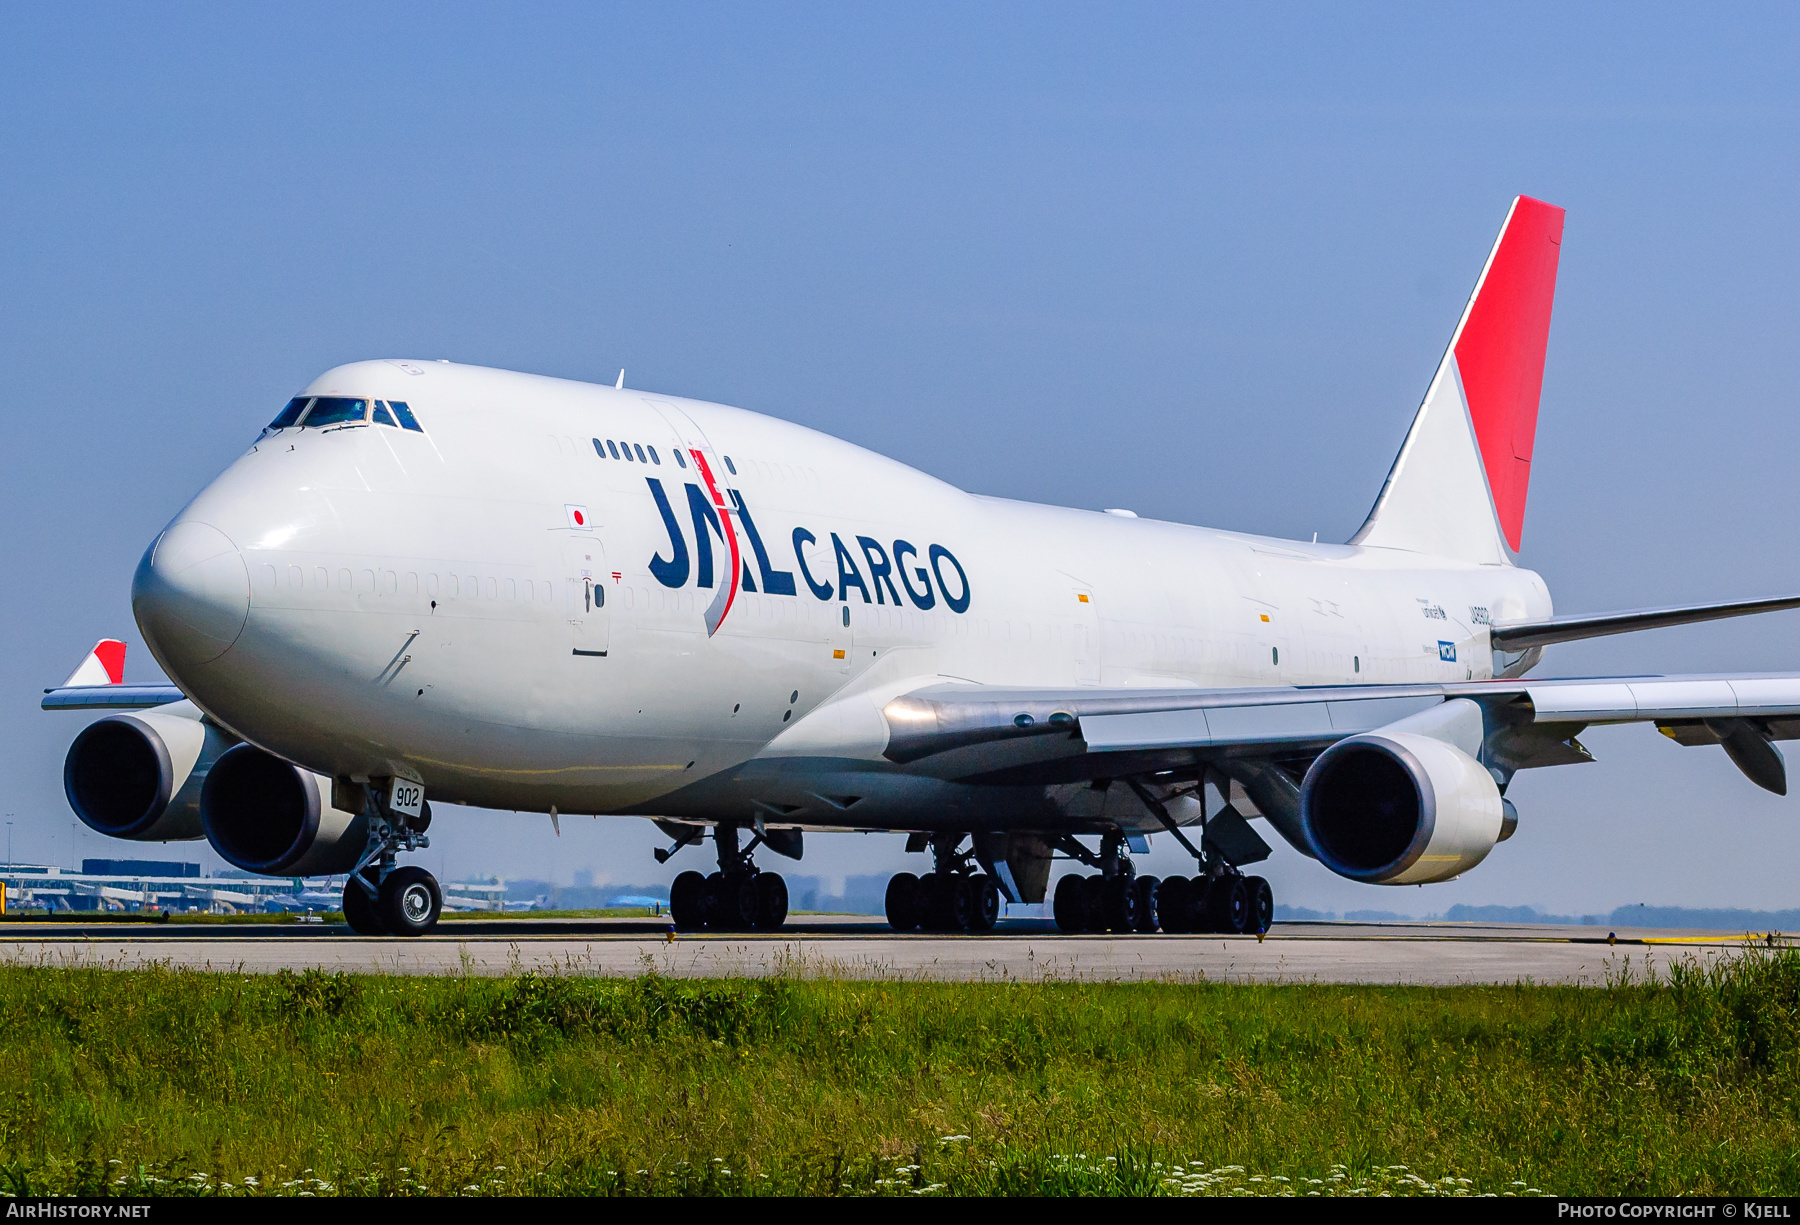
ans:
(407, 420)
(336, 410)
(291, 413)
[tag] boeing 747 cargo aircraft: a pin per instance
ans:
(427, 583)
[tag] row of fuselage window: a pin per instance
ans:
(391, 582)
(607, 448)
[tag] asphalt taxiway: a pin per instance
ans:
(1435, 954)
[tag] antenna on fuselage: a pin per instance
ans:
(620, 385)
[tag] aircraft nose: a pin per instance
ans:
(191, 595)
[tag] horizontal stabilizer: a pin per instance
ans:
(110, 697)
(1522, 635)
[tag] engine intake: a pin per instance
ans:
(1400, 808)
(267, 815)
(140, 776)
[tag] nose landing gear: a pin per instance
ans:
(382, 899)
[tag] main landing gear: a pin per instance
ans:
(738, 897)
(955, 897)
(958, 896)
(382, 899)
(1218, 898)
(1227, 904)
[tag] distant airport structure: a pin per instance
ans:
(166, 885)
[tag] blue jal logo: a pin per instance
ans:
(877, 571)
(1447, 651)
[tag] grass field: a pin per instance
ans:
(211, 1083)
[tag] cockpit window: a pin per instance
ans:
(407, 420)
(336, 410)
(381, 415)
(291, 413)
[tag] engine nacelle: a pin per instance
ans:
(139, 776)
(267, 815)
(1399, 808)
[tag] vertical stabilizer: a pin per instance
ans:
(1457, 488)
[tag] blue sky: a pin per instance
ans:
(1196, 263)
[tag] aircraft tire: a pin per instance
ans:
(712, 900)
(410, 901)
(955, 899)
(1119, 903)
(1261, 909)
(984, 904)
(737, 902)
(360, 910)
(1067, 905)
(771, 900)
(687, 902)
(1228, 906)
(1093, 903)
(903, 902)
(925, 901)
(1148, 894)
(1172, 904)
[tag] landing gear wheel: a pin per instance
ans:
(984, 904)
(771, 900)
(1228, 906)
(359, 909)
(1261, 905)
(1068, 906)
(955, 899)
(1119, 903)
(925, 901)
(687, 902)
(1093, 904)
(733, 897)
(1148, 895)
(1172, 904)
(712, 900)
(410, 901)
(903, 902)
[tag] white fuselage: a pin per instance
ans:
(423, 603)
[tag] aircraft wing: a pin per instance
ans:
(978, 734)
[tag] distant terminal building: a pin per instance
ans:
(164, 868)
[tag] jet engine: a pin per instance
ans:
(139, 776)
(270, 816)
(1399, 808)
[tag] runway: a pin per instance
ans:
(1427, 954)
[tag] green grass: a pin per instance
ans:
(173, 1080)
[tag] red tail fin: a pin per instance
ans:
(1500, 352)
(1457, 488)
(104, 665)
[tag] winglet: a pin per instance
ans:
(105, 665)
